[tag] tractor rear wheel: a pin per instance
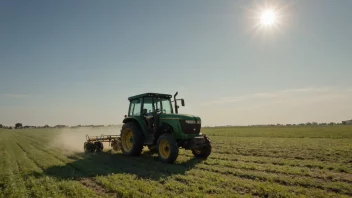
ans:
(167, 148)
(204, 151)
(132, 139)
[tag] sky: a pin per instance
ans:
(77, 62)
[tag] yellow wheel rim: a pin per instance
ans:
(127, 140)
(164, 149)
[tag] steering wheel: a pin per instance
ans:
(157, 110)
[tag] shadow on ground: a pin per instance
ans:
(146, 166)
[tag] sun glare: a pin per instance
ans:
(268, 17)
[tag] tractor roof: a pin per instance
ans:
(150, 94)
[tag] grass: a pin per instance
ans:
(246, 162)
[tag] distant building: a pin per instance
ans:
(347, 122)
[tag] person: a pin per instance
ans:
(149, 118)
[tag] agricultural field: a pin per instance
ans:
(245, 162)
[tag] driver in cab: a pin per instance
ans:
(149, 118)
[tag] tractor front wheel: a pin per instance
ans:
(132, 139)
(204, 151)
(167, 148)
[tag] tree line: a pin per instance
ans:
(21, 126)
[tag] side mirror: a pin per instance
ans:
(183, 102)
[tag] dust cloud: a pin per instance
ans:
(71, 140)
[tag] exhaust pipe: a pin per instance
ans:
(176, 107)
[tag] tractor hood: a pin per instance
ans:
(180, 117)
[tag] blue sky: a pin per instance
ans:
(76, 62)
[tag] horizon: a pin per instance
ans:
(77, 62)
(206, 126)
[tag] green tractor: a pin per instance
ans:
(152, 121)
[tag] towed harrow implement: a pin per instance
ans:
(95, 143)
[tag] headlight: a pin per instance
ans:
(190, 121)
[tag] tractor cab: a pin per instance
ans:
(149, 107)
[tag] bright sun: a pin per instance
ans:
(268, 17)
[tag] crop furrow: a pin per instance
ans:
(291, 174)
(260, 155)
(277, 179)
(32, 160)
(86, 181)
(285, 162)
(96, 187)
(277, 170)
(33, 139)
(257, 187)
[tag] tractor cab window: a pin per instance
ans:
(166, 106)
(135, 108)
(148, 105)
(157, 105)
